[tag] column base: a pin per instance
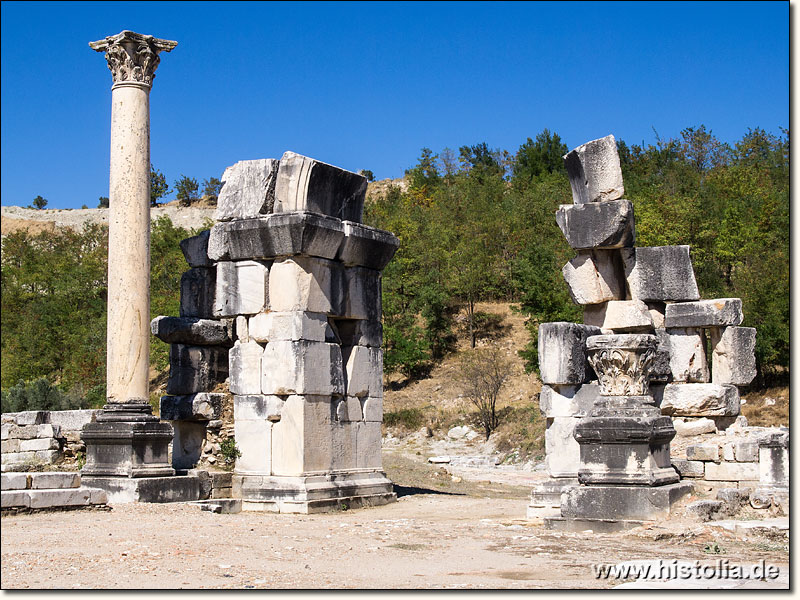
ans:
(313, 493)
(621, 502)
(546, 497)
(127, 441)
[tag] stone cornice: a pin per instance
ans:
(132, 57)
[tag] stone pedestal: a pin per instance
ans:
(625, 472)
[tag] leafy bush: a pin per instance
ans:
(39, 394)
(407, 418)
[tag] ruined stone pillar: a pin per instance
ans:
(128, 441)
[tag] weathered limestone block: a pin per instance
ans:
(594, 171)
(306, 284)
(705, 313)
(203, 406)
(195, 250)
(242, 288)
(700, 400)
(7, 446)
(348, 409)
(198, 285)
(277, 235)
(688, 355)
(15, 498)
(597, 225)
(365, 246)
(657, 310)
(307, 184)
(702, 452)
(745, 451)
(568, 400)
(254, 441)
(368, 445)
(13, 481)
(594, 277)
(696, 427)
(302, 441)
(733, 358)
(363, 368)
(248, 189)
(727, 471)
(192, 330)
(773, 461)
(689, 468)
(291, 325)
(619, 316)
(301, 367)
(242, 328)
(362, 299)
(58, 498)
(372, 409)
(562, 353)
(195, 369)
(257, 407)
(360, 332)
(187, 443)
(244, 362)
(661, 372)
(30, 417)
(660, 273)
(38, 444)
(561, 448)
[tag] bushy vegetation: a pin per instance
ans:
(54, 296)
(481, 227)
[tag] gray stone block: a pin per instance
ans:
(694, 427)
(307, 184)
(660, 273)
(359, 332)
(47, 456)
(621, 501)
(198, 285)
(733, 359)
(597, 225)
(59, 498)
(73, 420)
(561, 449)
(362, 294)
(302, 367)
(248, 189)
(705, 313)
(196, 368)
(348, 410)
(122, 490)
(734, 498)
(661, 371)
(745, 451)
(290, 325)
(13, 481)
(595, 276)
(365, 246)
(54, 480)
(7, 446)
(706, 510)
(205, 482)
(192, 330)
(568, 400)
(277, 235)
(307, 284)
(244, 361)
(38, 444)
(15, 499)
(195, 250)
(619, 316)
(187, 443)
(689, 468)
(363, 370)
(702, 452)
(700, 400)
(372, 409)
(687, 356)
(727, 471)
(257, 407)
(594, 171)
(202, 406)
(562, 353)
(242, 287)
(30, 417)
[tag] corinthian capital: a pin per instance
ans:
(132, 57)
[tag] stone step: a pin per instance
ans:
(40, 481)
(53, 498)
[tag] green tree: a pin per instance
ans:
(38, 203)
(534, 158)
(368, 174)
(158, 186)
(212, 187)
(102, 202)
(187, 190)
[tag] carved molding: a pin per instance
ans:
(622, 363)
(133, 57)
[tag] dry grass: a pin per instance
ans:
(767, 408)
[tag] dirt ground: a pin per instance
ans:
(443, 532)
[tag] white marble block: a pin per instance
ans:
(242, 288)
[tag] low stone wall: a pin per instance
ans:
(32, 438)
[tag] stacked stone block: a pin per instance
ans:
(47, 491)
(291, 267)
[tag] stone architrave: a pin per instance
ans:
(562, 353)
(619, 316)
(127, 440)
(597, 224)
(700, 400)
(248, 189)
(594, 171)
(733, 359)
(720, 312)
(594, 277)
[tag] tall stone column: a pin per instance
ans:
(128, 441)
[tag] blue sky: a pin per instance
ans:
(365, 86)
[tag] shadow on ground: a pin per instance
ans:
(402, 490)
